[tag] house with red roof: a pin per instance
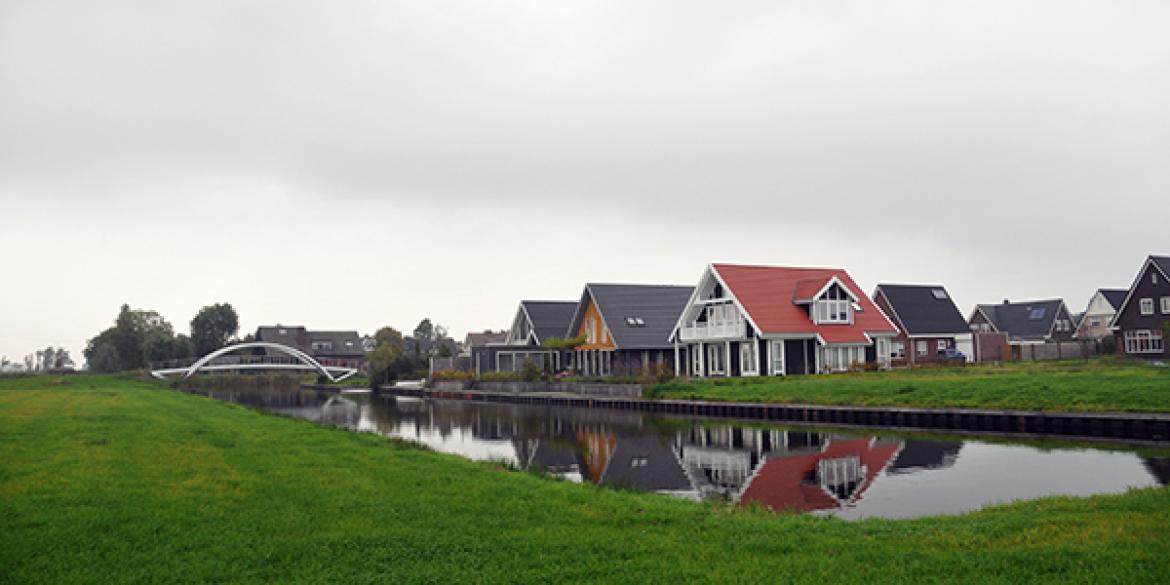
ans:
(778, 320)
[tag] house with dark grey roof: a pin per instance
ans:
(332, 348)
(480, 339)
(626, 327)
(929, 324)
(1094, 322)
(1142, 322)
(1025, 322)
(535, 323)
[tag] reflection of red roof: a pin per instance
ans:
(767, 293)
(782, 483)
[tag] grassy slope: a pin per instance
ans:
(1095, 385)
(111, 480)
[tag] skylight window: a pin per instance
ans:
(635, 322)
(939, 293)
(1036, 314)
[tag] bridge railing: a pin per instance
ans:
(226, 360)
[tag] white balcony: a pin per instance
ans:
(716, 330)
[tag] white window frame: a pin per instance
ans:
(777, 352)
(942, 345)
(898, 350)
(747, 354)
(1146, 306)
(833, 312)
(1165, 305)
(716, 359)
(1144, 341)
(921, 348)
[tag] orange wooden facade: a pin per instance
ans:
(602, 340)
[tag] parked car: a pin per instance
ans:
(953, 355)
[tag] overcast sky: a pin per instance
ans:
(357, 164)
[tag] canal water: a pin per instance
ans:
(858, 474)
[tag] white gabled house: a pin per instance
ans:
(775, 320)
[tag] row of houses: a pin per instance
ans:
(744, 320)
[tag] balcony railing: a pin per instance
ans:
(704, 331)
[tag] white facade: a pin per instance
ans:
(719, 334)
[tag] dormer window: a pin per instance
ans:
(833, 311)
(834, 307)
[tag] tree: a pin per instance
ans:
(160, 347)
(444, 351)
(387, 352)
(101, 353)
(48, 359)
(424, 330)
(103, 358)
(62, 359)
(213, 327)
(129, 334)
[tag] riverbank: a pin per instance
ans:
(112, 479)
(1095, 385)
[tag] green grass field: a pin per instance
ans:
(1098, 385)
(114, 480)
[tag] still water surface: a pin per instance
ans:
(780, 467)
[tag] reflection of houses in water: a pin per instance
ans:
(918, 456)
(637, 461)
(833, 476)
(646, 462)
(598, 447)
(722, 459)
(1159, 467)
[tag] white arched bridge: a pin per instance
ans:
(218, 360)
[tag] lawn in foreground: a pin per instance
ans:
(113, 480)
(1095, 385)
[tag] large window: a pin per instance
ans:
(1143, 341)
(898, 350)
(777, 357)
(747, 357)
(832, 311)
(921, 348)
(716, 360)
(834, 306)
(838, 359)
(1147, 306)
(1166, 305)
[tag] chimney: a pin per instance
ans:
(1006, 302)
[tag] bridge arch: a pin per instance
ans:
(291, 351)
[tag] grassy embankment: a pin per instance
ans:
(1096, 385)
(109, 480)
